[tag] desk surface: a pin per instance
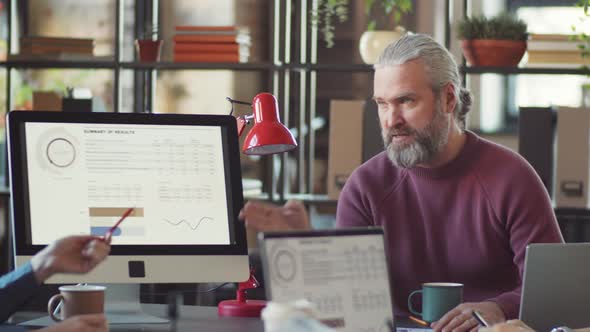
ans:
(192, 318)
(197, 319)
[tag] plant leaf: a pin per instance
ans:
(368, 6)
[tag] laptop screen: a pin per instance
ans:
(555, 289)
(342, 272)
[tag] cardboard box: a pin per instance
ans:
(572, 170)
(46, 101)
(355, 137)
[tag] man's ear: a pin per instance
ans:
(449, 98)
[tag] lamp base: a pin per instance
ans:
(250, 308)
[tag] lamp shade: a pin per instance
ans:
(268, 135)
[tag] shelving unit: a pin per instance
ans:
(292, 73)
(504, 70)
(525, 70)
(330, 67)
(12, 10)
(199, 66)
(49, 64)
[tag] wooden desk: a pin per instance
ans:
(192, 318)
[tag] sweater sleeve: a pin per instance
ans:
(16, 288)
(528, 217)
(352, 210)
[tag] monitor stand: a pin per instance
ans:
(122, 306)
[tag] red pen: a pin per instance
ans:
(109, 233)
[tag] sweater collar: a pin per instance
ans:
(452, 167)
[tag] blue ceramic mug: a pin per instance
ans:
(438, 298)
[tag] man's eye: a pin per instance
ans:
(405, 100)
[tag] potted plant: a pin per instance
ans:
(149, 45)
(376, 38)
(499, 41)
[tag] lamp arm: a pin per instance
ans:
(248, 284)
(233, 101)
(242, 122)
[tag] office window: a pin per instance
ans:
(545, 90)
(500, 96)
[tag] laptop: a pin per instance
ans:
(343, 272)
(556, 286)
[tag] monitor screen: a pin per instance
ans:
(78, 174)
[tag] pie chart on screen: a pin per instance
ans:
(284, 265)
(61, 152)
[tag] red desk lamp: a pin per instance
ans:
(268, 136)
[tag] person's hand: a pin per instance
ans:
(460, 319)
(514, 325)
(267, 217)
(72, 254)
(86, 323)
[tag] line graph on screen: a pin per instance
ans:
(192, 224)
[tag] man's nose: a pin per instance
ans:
(393, 119)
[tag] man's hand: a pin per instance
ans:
(461, 319)
(90, 323)
(514, 325)
(72, 254)
(267, 217)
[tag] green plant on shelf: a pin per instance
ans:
(329, 12)
(393, 9)
(580, 36)
(324, 17)
(23, 98)
(500, 27)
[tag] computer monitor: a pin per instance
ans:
(77, 173)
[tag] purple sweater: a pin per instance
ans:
(468, 221)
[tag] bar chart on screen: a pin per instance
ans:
(103, 218)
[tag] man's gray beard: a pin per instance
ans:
(428, 142)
